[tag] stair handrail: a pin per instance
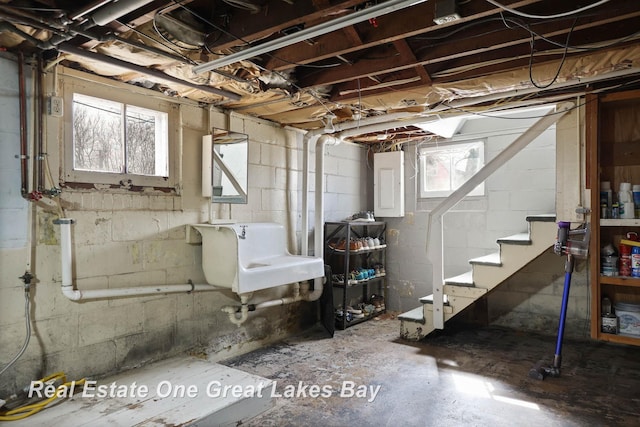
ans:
(435, 231)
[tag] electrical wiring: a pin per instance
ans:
(27, 305)
(140, 33)
(564, 57)
(518, 23)
(589, 47)
(25, 411)
(246, 42)
(558, 15)
(310, 93)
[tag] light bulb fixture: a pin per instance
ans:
(308, 33)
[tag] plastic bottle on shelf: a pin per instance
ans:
(625, 198)
(635, 261)
(606, 197)
(625, 260)
(636, 199)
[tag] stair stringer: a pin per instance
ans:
(487, 273)
(460, 297)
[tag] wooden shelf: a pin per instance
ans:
(634, 222)
(620, 280)
(610, 138)
(620, 339)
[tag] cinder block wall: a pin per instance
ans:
(523, 186)
(530, 300)
(123, 238)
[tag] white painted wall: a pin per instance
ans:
(124, 239)
(524, 186)
(13, 208)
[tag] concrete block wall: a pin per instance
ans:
(531, 299)
(525, 185)
(123, 238)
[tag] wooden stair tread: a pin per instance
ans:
(461, 291)
(491, 259)
(464, 279)
(415, 315)
(429, 299)
(516, 239)
(542, 218)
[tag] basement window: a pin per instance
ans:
(444, 168)
(118, 142)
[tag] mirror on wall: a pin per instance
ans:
(225, 160)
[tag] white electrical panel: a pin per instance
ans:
(388, 184)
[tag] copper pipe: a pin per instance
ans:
(39, 111)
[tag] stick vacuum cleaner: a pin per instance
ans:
(566, 245)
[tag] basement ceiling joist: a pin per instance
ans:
(400, 61)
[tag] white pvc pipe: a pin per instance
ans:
(319, 210)
(311, 137)
(231, 311)
(78, 295)
(277, 302)
(308, 33)
(109, 13)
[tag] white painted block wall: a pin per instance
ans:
(125, 239)
(523, 186)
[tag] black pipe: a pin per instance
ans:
(59, 39)
(68, 48)
(13, 29)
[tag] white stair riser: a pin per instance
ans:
(485, 277)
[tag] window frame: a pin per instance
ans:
(77, 177)
(424, 194)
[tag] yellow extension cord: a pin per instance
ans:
(33, 408)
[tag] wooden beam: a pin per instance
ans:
(404, 23)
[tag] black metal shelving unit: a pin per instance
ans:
(345, 260)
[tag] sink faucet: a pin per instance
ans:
(244, 232)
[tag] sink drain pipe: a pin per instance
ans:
(92, 294)
(318, 283)
(239, 314)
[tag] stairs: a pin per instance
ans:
(486, 273)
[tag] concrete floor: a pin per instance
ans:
(467, 376)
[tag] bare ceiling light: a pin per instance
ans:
(446, 11)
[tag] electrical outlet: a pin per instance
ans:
(55, 106)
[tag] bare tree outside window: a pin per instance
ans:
(118, 138)
(140, 142)
(97, 135)
(445, 168)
